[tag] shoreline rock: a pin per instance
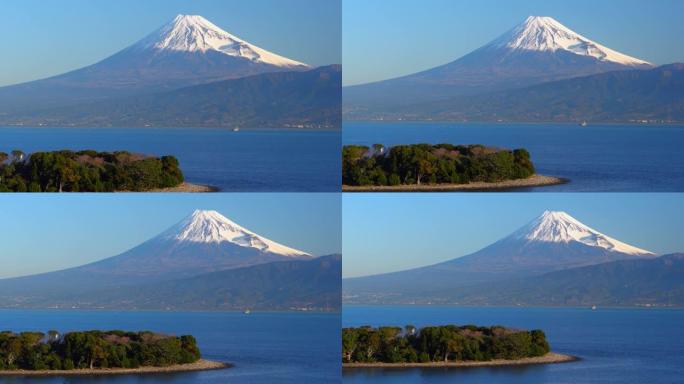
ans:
(200, 365)
(549, 358)
(532, 181)
(188, 187)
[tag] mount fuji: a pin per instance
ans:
(554, 241)
(203, 242)
(536, 51)
(189, 50)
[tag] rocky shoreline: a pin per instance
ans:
(532, 181)
(200, 365)
(549, 358)
(188, 187)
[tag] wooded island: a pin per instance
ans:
(425, 164)
(92, 350)
(86, 171)
(443, 344)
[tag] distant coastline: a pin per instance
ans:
(199, 365)
(532, 181)
(510, 122)
(549, 358)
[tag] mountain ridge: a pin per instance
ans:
(632, 282)
(514, 256)
(163, 257)
(543, 33)
(629, 96)
(301, 285)
(192, 33)
(308, 99)
(498, 65)
(204, 262)
(143, 69)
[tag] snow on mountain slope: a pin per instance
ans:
(194, 33)
(559, 227)
(538, 33)
(212, 227)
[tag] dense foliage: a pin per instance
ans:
(94, 349)
(86, 171)
(439, 344)
(432, 164)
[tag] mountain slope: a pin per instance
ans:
(546, 34)
(653, 281)
(283, 285)
(304, 98)
(187, 51)
(537, 51)
(202, 243)
(554, 241)
(194, 33)
(622, 96)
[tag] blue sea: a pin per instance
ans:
(249, 160)
(265, 347)
(615, 345)
(595, 158)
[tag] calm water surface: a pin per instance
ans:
(595, 158)
(249, 160)
(265, 347)
(615, 345)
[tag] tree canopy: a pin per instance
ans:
(432, 164)
(439, 344)
(94, 349)
(86, 171)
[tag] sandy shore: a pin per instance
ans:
(200, 365)
(187, 187)
(549, 358)
(532, 181)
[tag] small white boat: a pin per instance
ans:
(583, 124)
(247, 312)
(236, 129)
(593, 307)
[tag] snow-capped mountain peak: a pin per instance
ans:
(212, 227)
(541, 33)
(560, 227)
(194, 33)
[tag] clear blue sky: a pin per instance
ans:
(48, 232)
(41, 38)
(385, 39)
(391, 232)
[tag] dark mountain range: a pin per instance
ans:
(282, 285)
(284, 99)
(552, 242)
(538, 50)
(622, 96)
(640, 282)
